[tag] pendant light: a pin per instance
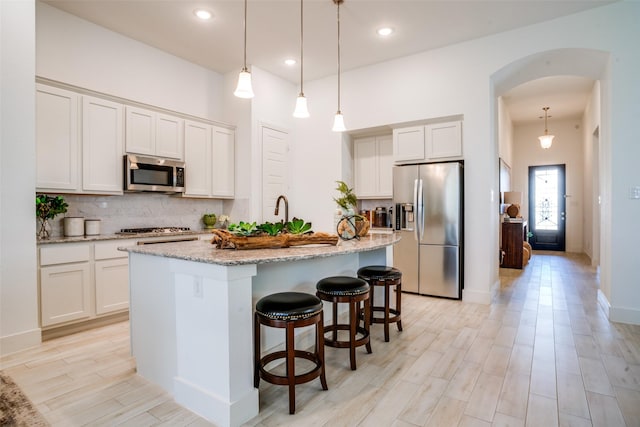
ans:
(301, 110)
(546, 140)
(338, 120)
(244, 89)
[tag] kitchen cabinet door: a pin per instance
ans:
(154, 134)
(141, 131)
(223, 163)
(102, 146)
(443, 140)
(57, 151)
(408, 144)
(197, 157)
(169, 136)
(112, 285)
(373, 163)
(65, 293)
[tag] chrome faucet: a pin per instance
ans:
(286, 207)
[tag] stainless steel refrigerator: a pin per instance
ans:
(428, 214)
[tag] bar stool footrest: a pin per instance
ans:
(364, 339)
(283, 379)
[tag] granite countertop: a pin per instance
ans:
(118, 236)
(203, 251)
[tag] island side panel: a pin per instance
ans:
(214, 341)
(152, 319)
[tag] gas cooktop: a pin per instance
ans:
(154, 230)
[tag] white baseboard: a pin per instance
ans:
(604, 303)
(478, 297)
(625, 315)
(20, 341)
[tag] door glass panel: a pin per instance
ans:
(546, 199)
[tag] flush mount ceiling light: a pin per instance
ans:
(301, 110)
(244, 89)
(545, 140)
(385, 31)
(338, 120)
(203, 14)
(290, 62)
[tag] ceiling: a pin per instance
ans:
(273, 33)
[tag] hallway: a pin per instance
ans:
(543, 354)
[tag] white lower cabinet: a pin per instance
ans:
(65, 293)
(83, 281)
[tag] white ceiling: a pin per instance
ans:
(273, 33)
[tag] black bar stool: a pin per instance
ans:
(354, 291)
(289, 310)
(387, 277)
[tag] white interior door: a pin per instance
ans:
(275, 164)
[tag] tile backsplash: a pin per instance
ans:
(134, 210)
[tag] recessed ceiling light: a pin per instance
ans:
(290, 62)
(202, 14)
(385, 31)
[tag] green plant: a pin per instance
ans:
(348, 199)
(298, 226)
(272, 229)
(47, 207)
(209, 220)
(243, 228)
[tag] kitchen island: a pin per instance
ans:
(191, 313)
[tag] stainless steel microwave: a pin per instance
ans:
(146, 173)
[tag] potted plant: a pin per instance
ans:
(47, 207)
(347, 200)
(209, 220)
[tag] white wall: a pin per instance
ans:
(567, 149)
(18, 281)
(590, 125)
(458, 80)
(80, 53)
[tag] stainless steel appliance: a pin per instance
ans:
(145, 173)
(428, 200)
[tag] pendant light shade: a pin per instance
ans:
(338, 120)
(301, 110)
(546, 140)
(244, 89)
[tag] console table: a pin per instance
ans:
(513, 236)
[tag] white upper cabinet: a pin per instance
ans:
(209, 161)
(102, 145)
(79, 143)
(57, 150)
(443, 140)
(408, 144)
(154, 134)
(197, 159)
(223, 165)
(428, 142)
(373, 162)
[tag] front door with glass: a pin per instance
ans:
(547, 207)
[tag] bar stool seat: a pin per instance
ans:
(353, 291)
(387, 277)
(290, 310)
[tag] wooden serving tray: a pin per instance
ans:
(226, 240)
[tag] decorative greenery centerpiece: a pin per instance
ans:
(250, 235)
(347, 199)
(47, 207)
(348, 224)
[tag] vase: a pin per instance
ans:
(43, 228)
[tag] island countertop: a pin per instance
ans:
(205, 252)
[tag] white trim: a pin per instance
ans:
(20, 341)
(624, 315)
(604, 303)
(478, 297)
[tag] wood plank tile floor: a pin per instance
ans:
(542, 354)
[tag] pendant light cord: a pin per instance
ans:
(338, 3)
(301, 47)
(244, 68)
